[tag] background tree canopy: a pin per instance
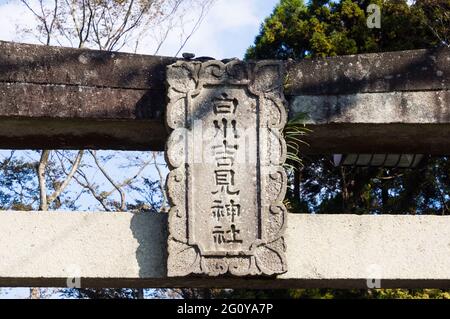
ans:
(327, 28)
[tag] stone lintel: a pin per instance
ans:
(129, 250)
(45, 90)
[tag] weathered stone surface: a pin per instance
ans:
(123, 96)
(67, 116)
(47, 133)
(58, 245)
(27, 100)
(420, 107)
(409, 122)
(227, 183)
(129, 250)
(384, 247)
(413, 70)
(41, 64)
(45, 90)
(366, 138)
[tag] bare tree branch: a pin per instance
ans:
(107, 25)
(67, 180)
(87, 185)
(113, 183)
(204, 9)
(161, 183)
(42, 182)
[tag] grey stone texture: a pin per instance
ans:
(108, 100)
(419, 107)
(129, 250)
(411, 70)
(69, 98)
(227, 182)
(54, 246)
(391, 122)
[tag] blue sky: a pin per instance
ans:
(236, 23)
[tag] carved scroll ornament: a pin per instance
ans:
(227, 184)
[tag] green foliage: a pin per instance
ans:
(322, 28)
(411, 293)
(370, 294)
(18, 188)
(332, 294)
(329, 28)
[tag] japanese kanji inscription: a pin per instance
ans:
(226, 185)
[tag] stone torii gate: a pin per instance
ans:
(227, 226)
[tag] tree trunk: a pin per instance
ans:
(35, 293)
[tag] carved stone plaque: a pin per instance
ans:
(227, 183)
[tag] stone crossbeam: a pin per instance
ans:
(129, 250)
(54, 97)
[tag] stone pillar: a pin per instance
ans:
(226, 183)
